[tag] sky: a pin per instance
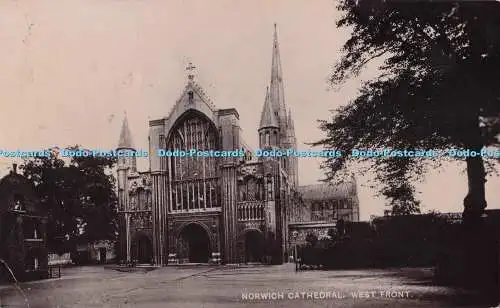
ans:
(70, 69)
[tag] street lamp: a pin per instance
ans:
(295, 235)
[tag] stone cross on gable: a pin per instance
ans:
(190, 69)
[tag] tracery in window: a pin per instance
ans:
(252, 190)
(142, 199)
(133, 201)
(194, 180)
(260, 191)
(242, 192)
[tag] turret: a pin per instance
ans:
(125, 143)
(269, 125)
(292, 143)
(126, 165)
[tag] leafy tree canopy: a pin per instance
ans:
(437, 89)
(79, 196)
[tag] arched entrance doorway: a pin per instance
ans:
(194, 244)
(254, 246)
(142, 249)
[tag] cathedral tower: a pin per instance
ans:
(286, 129)
(276, 131)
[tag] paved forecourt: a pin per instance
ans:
(229, 286)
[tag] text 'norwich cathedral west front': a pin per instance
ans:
(210, 209)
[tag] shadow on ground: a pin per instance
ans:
(425, 277)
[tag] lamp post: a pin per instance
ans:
(127, 227)
(295, 235)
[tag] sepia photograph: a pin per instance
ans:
(266, 153)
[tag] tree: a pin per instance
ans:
(78, 195)
(312, 239)
(437, 89)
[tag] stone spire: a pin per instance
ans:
(277, 93)
(125, 141)
(268, 117)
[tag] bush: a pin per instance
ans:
(411, 240)
(311, 239)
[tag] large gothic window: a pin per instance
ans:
(194, 181)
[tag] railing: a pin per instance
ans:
(250, 211)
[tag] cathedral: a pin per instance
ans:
(209, 209)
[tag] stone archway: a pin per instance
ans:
(194, 244)
(254, 246)
(142, 249)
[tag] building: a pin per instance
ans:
(319, 208)
(23, 237)
(327, 203)
(209, 209)
(98, 252)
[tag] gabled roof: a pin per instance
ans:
(197, 90)
(326, 191)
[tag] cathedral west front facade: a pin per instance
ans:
(209, 209)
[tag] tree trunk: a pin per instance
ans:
(480, 263)
(475, 201)
(476, 239)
